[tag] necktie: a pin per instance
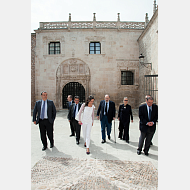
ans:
(43, 111)
(150, 111)
(106, 108)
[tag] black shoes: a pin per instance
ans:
(84, 145)
(127, 141)
(109, 137)
(146, 153)
(103, 141)
(139, 152)
(77, 142)
(71, 135)
(44, 148)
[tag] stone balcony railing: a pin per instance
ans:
(91, 25)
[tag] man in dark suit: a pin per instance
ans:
(142, 104)
(106, 110)
(73, 110)
(148, 114)
(46, 113)
(69, 103)
(124, 114)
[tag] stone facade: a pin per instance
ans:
(148, 47)
(33, 45)
(99, 74)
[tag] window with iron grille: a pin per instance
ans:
(95, 48)
(54, 48)
(127, 78)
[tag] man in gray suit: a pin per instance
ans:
(46, 113)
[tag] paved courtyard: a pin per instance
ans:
(109, 166)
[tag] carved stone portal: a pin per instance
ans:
(71, 70)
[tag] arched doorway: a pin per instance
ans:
(69, 72)
(74, 89)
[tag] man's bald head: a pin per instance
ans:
(107, 97)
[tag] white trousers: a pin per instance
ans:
(86, 128)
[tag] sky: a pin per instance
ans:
(82, 10)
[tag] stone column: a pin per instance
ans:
(41, 25)
(146, 19)
(69, 22)
(118, 21)
(154, 7)
(94, 21)
(87, 86)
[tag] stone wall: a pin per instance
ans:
(100, 74)
(33, 46)
(148, 47)
(119, 51)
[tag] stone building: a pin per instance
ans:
(93, 58)
(33, 45)
(148, 47)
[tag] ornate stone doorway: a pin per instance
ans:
(74, 89)
(71, 71)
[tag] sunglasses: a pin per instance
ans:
(125, 100)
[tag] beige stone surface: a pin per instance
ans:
(100, 74)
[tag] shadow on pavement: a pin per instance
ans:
(132, 148)
(155, 148)
(126, 146)
(135, 144)
(100, 152)
(56, 153)
(153, 156)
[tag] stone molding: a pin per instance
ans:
(91, 24)
(71, 70)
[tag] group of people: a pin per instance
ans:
(83, 115)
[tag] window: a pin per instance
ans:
(95, 48)
(54, 48)
(126, 78)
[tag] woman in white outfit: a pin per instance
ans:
(87, 120)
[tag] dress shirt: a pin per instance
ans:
(107, 107)
(148, 110)
(45, 112)
(77, 110)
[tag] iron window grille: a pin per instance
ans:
(95, 48)
(74, 89)
(127, 78)
(54, 48)
(151, 86)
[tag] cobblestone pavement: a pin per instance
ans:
(109, 166)
(65, 173)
